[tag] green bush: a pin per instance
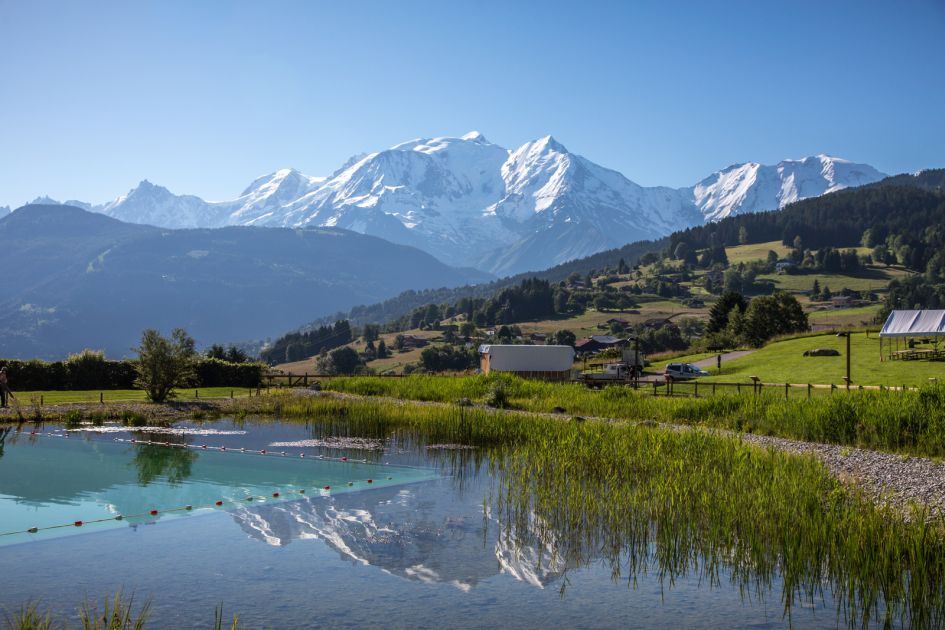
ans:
(91, 371)
(218, 373)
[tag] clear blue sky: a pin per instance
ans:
(204, 96)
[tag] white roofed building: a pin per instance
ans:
(552, 363)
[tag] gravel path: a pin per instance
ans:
(728, 356)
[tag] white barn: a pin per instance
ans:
(551, 363)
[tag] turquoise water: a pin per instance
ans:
(51, 482)
(421, 549)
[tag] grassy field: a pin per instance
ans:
(872, 278)
(587, 323)
(757, 251)
(394, 363)
(845, 317)
(121, 395)
(783, 362)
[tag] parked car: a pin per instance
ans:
(683, 371)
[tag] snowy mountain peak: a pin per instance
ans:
(753, 187)
(471, 202)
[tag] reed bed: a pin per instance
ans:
(910, 422)
(647, 500)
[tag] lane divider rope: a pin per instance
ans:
(323, 491)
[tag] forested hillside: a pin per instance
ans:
(899, 225)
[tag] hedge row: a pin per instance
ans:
(92, 371)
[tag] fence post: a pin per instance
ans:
(196, 393)
(808, 391)
(654, 388)
(786, 386)
(695, 389)
(231, 394)
(101, 398)
(713, 389)
(832, 387)
(739, 386)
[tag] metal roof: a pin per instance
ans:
(522, 358)
(912, 323)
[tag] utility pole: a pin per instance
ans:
(847, 335)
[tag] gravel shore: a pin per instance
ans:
(887, 478)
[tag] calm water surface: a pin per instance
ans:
(417, 547)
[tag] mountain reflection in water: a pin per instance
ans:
(418, 532)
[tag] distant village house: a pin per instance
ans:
(596, 343)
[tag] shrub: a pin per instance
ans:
(164, 364)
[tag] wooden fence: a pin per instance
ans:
(694, 387)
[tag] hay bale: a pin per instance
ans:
(822, 352)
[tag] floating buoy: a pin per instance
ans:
(302, 455)
(275, 494)
(262, 452)
(188, 507)
(78, 523)
(344, 459)
(203, 446)
(389, 478)
(350, 483)
(222, 448)
(302, 491)
(219, 502)
(33, 530)
(327, 487)
(153, 512)
(370, 481)
(119, 518)
(249, 498)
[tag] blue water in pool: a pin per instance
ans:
(416, 550)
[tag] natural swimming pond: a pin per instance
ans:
(438, 537)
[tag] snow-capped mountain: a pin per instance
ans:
(470, 202)
(753, 187)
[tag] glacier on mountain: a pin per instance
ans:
(754, 187)
(470, 202)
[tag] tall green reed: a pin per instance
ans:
(910, 422)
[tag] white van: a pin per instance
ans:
(683, 371)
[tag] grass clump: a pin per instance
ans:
(116, 614)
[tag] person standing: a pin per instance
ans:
(4, 386)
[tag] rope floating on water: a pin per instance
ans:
(188, 508)
(184, 508)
